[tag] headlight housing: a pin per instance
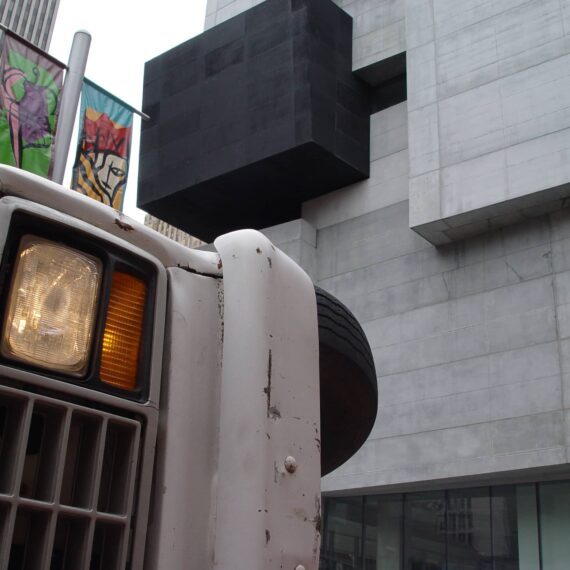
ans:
(51, 309)
(76, 307)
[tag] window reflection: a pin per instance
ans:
(343, 534)
(424, 516)
(469, 530)
(504, 526)
(508, 527)
(383, 544)
(554, 503)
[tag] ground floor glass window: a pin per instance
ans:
(509, 527)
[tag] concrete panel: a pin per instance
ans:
(296, 230)
(527, 27)
(425, 200)
(476, 406)
(525, 236)
(467, 59)
(378, 44)
(563, 314)
(527, 329)
(453, 15)
(560, 225)
(389, 131)
(434, 382)
(400, 298)
(521, 443)
(471, 124)
(538, 163)
(377, 276)
(387, 185)
(365, 240)
(434, 414)
(562, 287)
(503, 119)
(421, 76)
(373, 15)
(419, 23)
(423, 132)
(527, 433)
(474, 183)
(414, 324)
(543, 395)
(565, 365)
(551, 112)
(457, 345)
(561, 255)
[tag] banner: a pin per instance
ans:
(30, 88)
(104, 145)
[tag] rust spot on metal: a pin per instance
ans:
(258, 250)
(301, 514)
(267, 536)
(124, 225)
(220, 264)
(267, 389)
(274, 413)
(317, 520)
(196, 272)
(269, 261)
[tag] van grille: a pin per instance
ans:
(67, 478)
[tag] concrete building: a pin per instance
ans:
(455, 256)
(34, 20)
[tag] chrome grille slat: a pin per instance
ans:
(67, 478)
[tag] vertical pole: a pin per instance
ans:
(70, 101)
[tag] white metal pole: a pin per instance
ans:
(70, 101)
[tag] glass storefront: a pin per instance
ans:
(508, 527)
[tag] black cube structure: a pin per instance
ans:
(253, 117)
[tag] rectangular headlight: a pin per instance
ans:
(51, 307)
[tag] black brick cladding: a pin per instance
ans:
(253, 117)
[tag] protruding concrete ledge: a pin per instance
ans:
(468, 224)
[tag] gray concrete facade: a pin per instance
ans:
(471, 336)
(489, 113)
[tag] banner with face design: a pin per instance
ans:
(104, 145)
(30, 87)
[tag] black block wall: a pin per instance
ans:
(253, 117)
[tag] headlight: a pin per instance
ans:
(51, 306)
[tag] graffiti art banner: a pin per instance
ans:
(30, 88)
(104, 145)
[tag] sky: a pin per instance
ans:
(124, 34)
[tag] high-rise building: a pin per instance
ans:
(171, 232)
(451, 244)
(34, 20)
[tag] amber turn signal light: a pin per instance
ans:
(122, 336)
